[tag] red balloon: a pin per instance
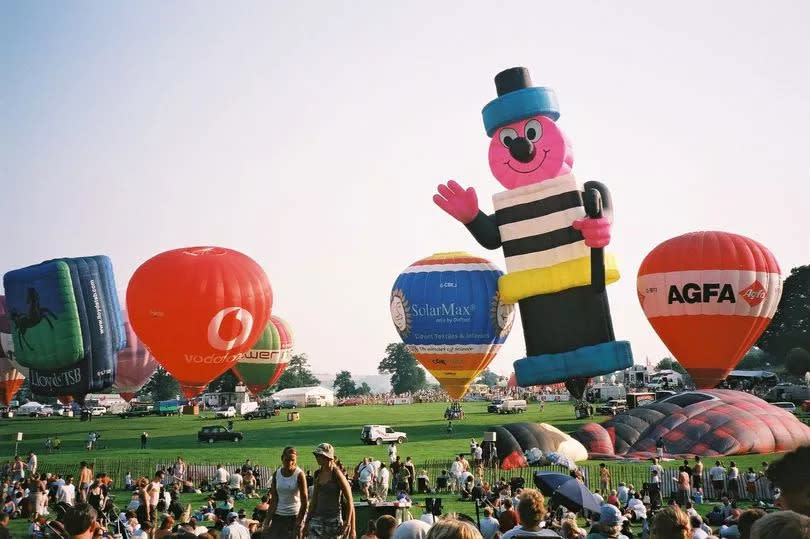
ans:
(197, 310)
(709, 296)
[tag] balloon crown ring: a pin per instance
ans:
(518, 99)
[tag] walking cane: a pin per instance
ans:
(592, 200)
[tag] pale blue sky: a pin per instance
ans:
(311, 136)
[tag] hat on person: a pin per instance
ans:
(610, 514)
(325, 450)
(232, 516)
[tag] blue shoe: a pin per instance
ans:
(584, 362)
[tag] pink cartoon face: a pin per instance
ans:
(529, 151)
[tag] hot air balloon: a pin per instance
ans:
(709, 296)
(198, 310)
(262, 365)
(66, 324)
(135, 365)
(11, 381)
(448, 312)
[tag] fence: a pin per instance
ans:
(630, 474)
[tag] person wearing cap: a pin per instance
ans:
(233, 529)
(552, 232)
(324, 519)
(609, 525)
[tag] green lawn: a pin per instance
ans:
(428, 443)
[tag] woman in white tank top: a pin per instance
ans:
(288, 499)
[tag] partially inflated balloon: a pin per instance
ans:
(197, 310)
(447, 311)
(709, 296)
(11, 381)
(135, 365)
(263, 365)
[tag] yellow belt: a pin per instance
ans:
(570, 274)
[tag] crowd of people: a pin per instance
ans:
(297, 503)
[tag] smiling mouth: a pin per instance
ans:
(543, 160)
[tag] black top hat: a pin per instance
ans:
(514, 78)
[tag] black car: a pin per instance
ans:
(261, 413)
(218, 433)
(287, 404)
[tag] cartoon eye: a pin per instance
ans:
(533, 130)
(507, 135)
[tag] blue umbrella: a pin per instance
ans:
(575, 495)
(548, 482)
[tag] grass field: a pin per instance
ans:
(169, 437)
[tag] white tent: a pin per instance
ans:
(306, 396)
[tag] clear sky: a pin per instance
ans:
(312, 135)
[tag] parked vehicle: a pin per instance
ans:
(262, 413)
(230, 411)
(97, 410)
(794, 393)
(635, 400)
(512, 406)
(378, 434)
(605, 392)
(789, 406)
(218, 433)
(494, 406)
(45, 411)
(612, 407)
(351, 401)
(287, 404)
(137, 410)
(165, 408)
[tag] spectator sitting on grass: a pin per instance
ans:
(781, 525)
(791, 474)
(532, 511)
(80, 521)
(747, 520)
(608, 524)
(671, 523)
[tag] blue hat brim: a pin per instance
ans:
(519, 104)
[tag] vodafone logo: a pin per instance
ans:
(215, 324)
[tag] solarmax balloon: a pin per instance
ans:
(448, 312)
(709, 296)
(263, 365)
(197, 310)
(135, 365)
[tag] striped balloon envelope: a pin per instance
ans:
(448, 312)
(11, 380)
(262, 365)
(709, 296)
(135, 365)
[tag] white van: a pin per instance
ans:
(512, 406)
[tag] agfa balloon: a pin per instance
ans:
(709, 296)
(198, 309)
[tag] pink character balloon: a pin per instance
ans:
(552, 231)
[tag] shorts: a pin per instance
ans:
(325, 528)
(282, 527)
(603, 485)
(697, 481)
